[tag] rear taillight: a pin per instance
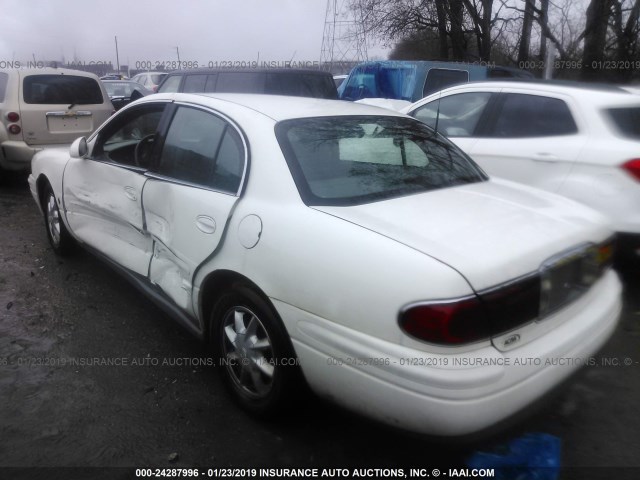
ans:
(13, 116)
(14, 128)
(633, 168)
(508, 306)
(447, 323)
(512, 304)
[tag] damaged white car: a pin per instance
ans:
(342, 245)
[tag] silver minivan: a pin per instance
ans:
(47, 107)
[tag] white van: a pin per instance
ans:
(46, 107)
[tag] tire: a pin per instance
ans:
(59, 238)
(254, 354)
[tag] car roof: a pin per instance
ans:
(50, 71)
(276, 107)
(594, 93)
(282, 70)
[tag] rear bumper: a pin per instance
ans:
(459, 393)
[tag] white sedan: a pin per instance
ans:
(577, 140)
(342, 245)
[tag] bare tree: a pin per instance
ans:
(595, 36)
(625, 36)
(525, 36)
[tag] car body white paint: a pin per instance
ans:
(584, 166)
(339, 276)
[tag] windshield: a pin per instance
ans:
(381, 81)
(359, 159)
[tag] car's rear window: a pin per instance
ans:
(119, 89)
(626, 121)
(4, 78)
(360, 159)
(61, 89)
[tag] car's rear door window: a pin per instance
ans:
(454, 115)
(202, 149)
(353, 160)
(524, 115)
(61, 89)
(626, 120)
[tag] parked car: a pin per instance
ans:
(339, 80)
(274, 81)
(114, 76)
(576, 140)
(343, 244)
(151, 80)
(46, 106)
(123, 92)
(413, 80)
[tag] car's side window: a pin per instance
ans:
(441, 78)
(171, 84)
(202, 149)
(533, 116)
(194, 83)
(211, 83)
(129, 139)
(455, 115)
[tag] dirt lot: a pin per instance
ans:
(164, 409)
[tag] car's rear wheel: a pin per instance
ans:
(59, 238)
(254, 353)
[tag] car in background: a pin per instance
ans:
(339, 79)
(44, 107)
(578, 140)
(342, 244)
(114, 76)
(123, 92)
(151, 80)
(412, 80)
(272, 81)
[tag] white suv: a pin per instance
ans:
(579, 141)
(45, 107)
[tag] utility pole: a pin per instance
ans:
(178, 52)
(117, 56)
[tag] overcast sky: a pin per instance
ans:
(204, 30)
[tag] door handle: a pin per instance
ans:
(131, 193)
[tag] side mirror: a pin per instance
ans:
(78, 148)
